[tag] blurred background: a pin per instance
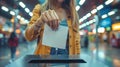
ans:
(99, 28)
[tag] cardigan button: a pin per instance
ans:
(77, 41)
(70, 46)
(70, 36)
(42, 29)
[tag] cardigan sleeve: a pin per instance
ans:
(32, 32)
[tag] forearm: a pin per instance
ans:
(32, 31)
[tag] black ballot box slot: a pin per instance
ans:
(54, 59)
(58, 61)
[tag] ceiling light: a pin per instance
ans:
(81, 2)
(88, 15)
(85, 17)
(81, 20)
(26, 21)
(115, 10)
(91, 21)
(101, 30)
(84, 24)
(22, 4)
(27, 10)
(77, 7)
(111, 13)
(100, 7)
(108, 2)
(87, 23)
(5, 8)
(12, 12)
(31, 14)
(104, 16)
(22, 18)
(80, 27)
(118, 17)
(94, 20)
(18, 16)
(94, 11)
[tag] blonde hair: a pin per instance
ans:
(69, 6)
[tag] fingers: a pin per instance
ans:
(58, 20)
(47, 13)
(44, 18)
(55, 16)
(57, 24)
(54, 25)
(52, 14)
(51, 18)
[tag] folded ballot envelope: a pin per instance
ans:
(56, 39)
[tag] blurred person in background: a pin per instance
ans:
(13, 43)
(61, 10)
(86, 41)
(82, 41)
(113, 41)
(105, 38)
(118, 40)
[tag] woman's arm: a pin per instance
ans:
(77, 39)
(49, 17)
(32, 31)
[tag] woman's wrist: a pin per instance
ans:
(38, 23)
(36, 27)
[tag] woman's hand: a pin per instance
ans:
(51, 18)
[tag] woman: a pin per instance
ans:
(86, 41)
(51, 13)
(113, 41)
(13, 43)
(118, 40)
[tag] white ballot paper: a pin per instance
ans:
(55, 39)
